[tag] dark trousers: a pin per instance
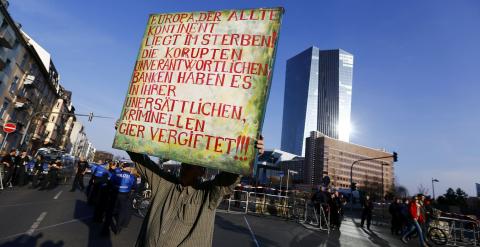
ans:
(21, 177)
(366, 214)
(35, 178)
(8, 174)
(122, 206)
(101, 202)
(118, 204)
(52, 178)
(78, 181)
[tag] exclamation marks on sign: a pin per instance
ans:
(242, 147)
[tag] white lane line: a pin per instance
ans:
(251, 232)
(47, 227)
(57, 195)
(36, 224)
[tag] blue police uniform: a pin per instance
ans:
(100, 195)
(122, 184)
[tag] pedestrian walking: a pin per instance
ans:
(367, 210)
(417, 219)
(334, 204)
(79, 174)
(404, 216)
(394, 210)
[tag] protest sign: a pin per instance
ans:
(199, 87)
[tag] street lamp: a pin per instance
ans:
(383, 186)
(433, 187)
(288, 178)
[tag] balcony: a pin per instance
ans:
(7, 37)
(29, 80)
(21, 103)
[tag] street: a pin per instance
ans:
(59, 217)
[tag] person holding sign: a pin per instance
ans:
(182, 211)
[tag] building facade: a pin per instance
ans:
(80, 146)
(30, 91)
(330, 157)
(318, 90)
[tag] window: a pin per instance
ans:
(24, 61)
(5, 105)
(53, 119)
(13, 86)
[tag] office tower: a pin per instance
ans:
(318, 93)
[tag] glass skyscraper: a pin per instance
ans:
(318, 96)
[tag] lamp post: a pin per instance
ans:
(383, 186)
(288, 177)
(433, 187)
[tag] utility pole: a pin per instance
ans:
(433, 187)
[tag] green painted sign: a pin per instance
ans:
(199, 88)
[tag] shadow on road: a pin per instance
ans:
(376, 239)
(26, 240)
(230, 226)
(94, 229)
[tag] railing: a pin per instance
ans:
(289, 207)
(458, 230)
(1, 177)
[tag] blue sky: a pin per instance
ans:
(415, 83)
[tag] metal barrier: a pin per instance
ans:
(290, 207)
(380, 214)
(1, 177)
(458, 230)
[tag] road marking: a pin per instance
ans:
(48, 227)
(34, 227)
(251, 232)
(57, 195)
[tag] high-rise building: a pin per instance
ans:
(318, 92)
(333, 158)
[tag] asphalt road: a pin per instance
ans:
(59, 217)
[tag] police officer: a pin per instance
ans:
(122, 184)
(55, 168)
(97, 171)
(8, 161)
(81, 168)
(37, 172)
(21, 165)
(100, 191)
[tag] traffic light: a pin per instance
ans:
(395, 157)
(90, 116)
(353, 186)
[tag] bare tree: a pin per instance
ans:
(422, 189)
(401, 191)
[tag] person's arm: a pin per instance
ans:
(149, 169)
(223, 184)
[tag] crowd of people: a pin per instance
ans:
(19, 169)
(331, 202)
(411, 216)
(109, 189)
